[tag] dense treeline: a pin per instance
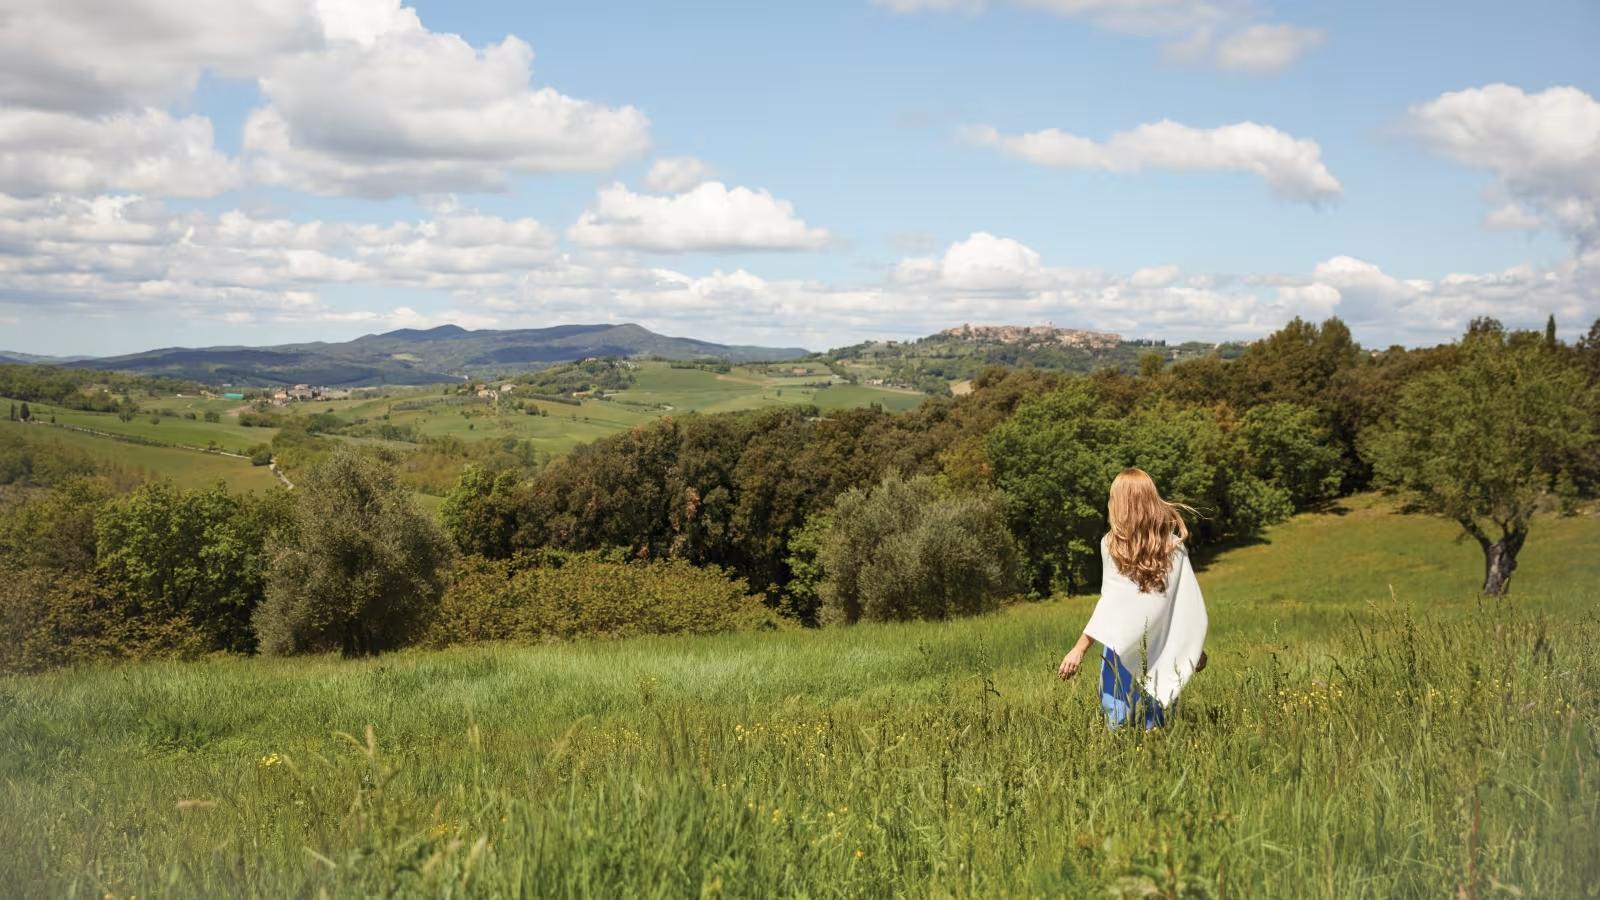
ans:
(86, 389)
(929, 364)
(712, 522)
(1246, 441)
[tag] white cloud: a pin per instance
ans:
(1511, 217)
(1131, 16)
(677, 174)
(1155, 276)
(388, 107)
(146, 151)
(1291, 167)
(361, 98)
(1544, 149)
(1220, 33)
(128, 257)
(1265, 48)
(710, 216)
(89, 56)
(982, 262)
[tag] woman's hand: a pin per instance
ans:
(1071, 663)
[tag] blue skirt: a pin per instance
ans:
(1121, 697)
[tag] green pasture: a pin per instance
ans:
(187, 468)
(1369, 727)
(227, 432)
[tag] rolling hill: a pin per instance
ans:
(410, 356)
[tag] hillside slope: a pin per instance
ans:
(410, 356)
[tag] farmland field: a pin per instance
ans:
(188, 468)
(226, 433)
(1368, 728)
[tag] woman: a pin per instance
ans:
(1151, 617)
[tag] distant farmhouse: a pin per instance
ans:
(306, 393)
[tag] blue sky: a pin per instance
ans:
(1403, 166)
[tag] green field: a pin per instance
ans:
(227, 433)
(1368, 728)
(188, 468)
(659, 390)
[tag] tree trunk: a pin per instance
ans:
(1500, 560)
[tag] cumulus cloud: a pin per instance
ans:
(1291, 167)
(1222, 34)
(710, 216)
(92, 57)
(388, 107)
(675, 175)
(1543, 148)
(146, 151)
(361, 97)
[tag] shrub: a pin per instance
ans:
(904, 551)
(359, 567)
(261, 455)
(587, 595)
(50, 619)
(42, 463)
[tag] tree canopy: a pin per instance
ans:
(1485, 441)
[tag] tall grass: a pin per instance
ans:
(1360, 745)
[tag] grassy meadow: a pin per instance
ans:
(1368, 728)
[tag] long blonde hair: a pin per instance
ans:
(1144, 529)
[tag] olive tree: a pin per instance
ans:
(904, 550)
(358, 568)
(1484, 442)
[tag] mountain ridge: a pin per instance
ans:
(445, 353)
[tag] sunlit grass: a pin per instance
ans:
(1347, 741)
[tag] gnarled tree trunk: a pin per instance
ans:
(1499, 556)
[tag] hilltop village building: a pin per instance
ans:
(306, 392)
(1036, 334)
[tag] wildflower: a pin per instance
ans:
(270, 760)
(860, 853)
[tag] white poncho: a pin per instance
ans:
(1170, 625)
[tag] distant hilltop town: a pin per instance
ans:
(1036, 334)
